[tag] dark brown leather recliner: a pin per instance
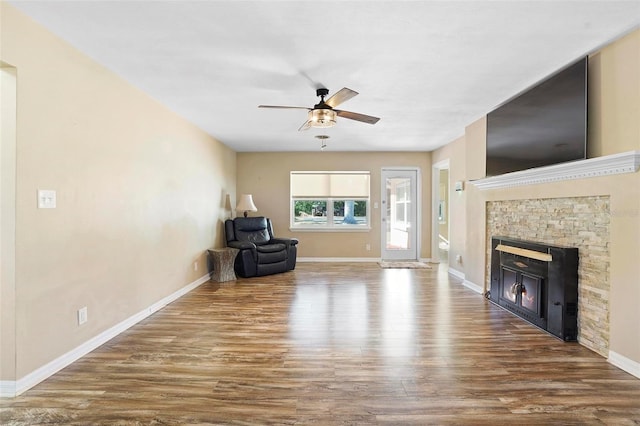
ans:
(260, 252)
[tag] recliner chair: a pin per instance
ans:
(260, 252)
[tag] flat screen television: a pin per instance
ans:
(544, 125)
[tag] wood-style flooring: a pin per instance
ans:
(334, 344)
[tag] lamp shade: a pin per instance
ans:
(246, 204)
(321, 117)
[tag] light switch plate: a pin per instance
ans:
(46, 199)
(82, 315)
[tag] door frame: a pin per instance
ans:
(418, 209)
(8, 179)
(435, 202)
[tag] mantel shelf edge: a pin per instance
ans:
(626, 162)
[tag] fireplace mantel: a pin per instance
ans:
(626, 162)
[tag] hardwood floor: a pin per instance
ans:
(334, 344)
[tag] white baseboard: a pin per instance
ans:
(9, 389)
(473, 286)
(624, 363)
(456, 273)
(338, 259)
(465, 282)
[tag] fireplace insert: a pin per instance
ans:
(538, 282)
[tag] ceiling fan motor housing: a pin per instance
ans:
(322, 92)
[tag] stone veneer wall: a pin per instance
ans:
(581, 222)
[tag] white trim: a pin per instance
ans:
(456, 273)
(465, 282)
(7, 389)
(332, 172)
(10, 389)
(403, 168)
(630, 366)
(473, 286)
(332, 228)
(625, 162)
(338, 259)
(9, 82)
(435, 201)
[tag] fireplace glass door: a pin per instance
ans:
(531, 287)
(521, 289)
(509, 282)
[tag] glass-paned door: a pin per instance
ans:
(399, 214)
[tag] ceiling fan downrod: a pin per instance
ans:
(322, 92)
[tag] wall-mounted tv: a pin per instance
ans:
(544, 125)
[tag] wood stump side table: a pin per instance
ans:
(222, 261)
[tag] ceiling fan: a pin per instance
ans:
(323, 113)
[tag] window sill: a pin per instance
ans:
(327, 229)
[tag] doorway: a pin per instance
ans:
(440, 236)
(400, 214)
(8, 317)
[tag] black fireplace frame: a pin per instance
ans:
(555, 269)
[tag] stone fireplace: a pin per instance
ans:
(581, 222)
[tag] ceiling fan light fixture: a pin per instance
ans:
(322, 117)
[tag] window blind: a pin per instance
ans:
(330, 184)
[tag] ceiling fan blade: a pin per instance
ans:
(305, 126)
(283, 107)
(340, 96)
(358, 117)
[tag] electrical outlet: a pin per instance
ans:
(195, 265)
(368, 247)
(82, 315)
(458, 258)
(46, 199)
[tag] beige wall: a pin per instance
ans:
(266, 176)
(614, 127)
(614, 97)
(140, 196)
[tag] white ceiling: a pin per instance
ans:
(427, 68)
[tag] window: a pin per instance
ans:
(325, 201)
(402, 201)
